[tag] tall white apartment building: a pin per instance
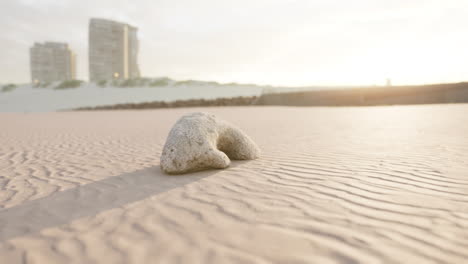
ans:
(113, 50)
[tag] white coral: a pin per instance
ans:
(201, 141)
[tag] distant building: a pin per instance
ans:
(113, 50)
(52, 61)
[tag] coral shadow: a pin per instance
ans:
(90, 199)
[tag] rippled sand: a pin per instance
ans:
(334, 185)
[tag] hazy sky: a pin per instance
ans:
(279, 42)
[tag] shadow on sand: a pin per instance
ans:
(90, 199)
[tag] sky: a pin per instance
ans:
(287, 42)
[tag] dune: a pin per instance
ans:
(333, 185)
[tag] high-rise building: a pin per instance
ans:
(113, 50)
(52, 61)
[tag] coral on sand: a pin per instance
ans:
(200, 141)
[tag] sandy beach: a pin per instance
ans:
(334, 185)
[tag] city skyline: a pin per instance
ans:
(266, 42)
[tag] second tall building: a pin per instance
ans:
(113, 50)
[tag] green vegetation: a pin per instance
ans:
(8, 87)
(196, 82)
(129, 83)
(186, 82)
(136, 82)
(68, 84)
(213, 83)
(41, 85)
(115, 83)
(44, 85)
(159, 82)
(102, 83)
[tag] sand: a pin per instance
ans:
(334, 185)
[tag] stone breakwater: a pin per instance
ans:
(357, 96)
(233, 101)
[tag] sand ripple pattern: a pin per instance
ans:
(335, 185)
